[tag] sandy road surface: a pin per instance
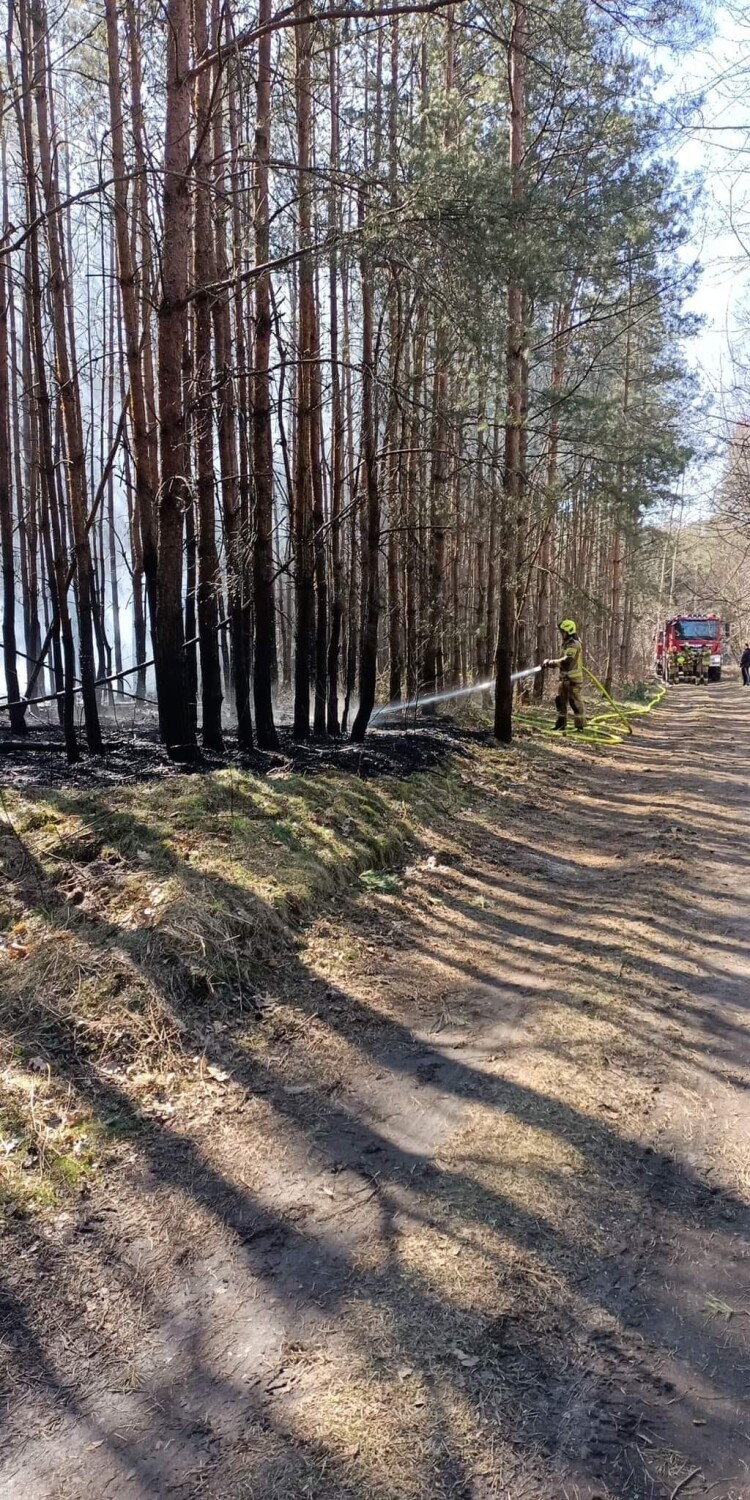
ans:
(497, 1241)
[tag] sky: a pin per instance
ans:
(716, 146)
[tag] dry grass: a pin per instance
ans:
(138, 922)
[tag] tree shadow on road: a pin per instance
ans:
(341, 1313)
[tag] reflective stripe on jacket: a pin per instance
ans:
(571, 666)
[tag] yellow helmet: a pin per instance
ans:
(568, 627)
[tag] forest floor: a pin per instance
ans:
(387, 1139)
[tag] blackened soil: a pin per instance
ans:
(134, 754)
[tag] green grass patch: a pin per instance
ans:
(380, 880)
(46, 1154)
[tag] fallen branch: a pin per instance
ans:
(69, 576)
(140, 666)
(100, 682)
(684, 1482)
(8, 746)
(292, 18)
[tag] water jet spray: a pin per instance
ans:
(451, 694)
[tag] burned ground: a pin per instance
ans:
(134, 753)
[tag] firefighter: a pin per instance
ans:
(681, 664)
(705, 664)
(673, 665)
(570, 690)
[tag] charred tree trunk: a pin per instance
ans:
(60, 626)
(205, 274)
(368, 661)
(175, 715)
(337, 417)
(303, 491)
(265, 633)
(233, 472)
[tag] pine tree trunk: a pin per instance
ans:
(413, 501)
(523, 525)
(148, 292)
(395, 508)
(492, 570)
(69, 395)
(265, 634)
(394, 465)
(23, 467)
(17, 710)
(432, 673)
(205, 275)
(233, 472)
(191, 619)
(352, 641)
(561, 325)
(134, 536)
(303, 492)
(143, 520)
(109, 426)
(50, 521)
(240, 197)
(480, 564)
(337, 412)
(615, 579)
(320, 719)
(512, 465)
(368, 661)
(175, 715)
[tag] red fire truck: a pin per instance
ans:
(681, 641)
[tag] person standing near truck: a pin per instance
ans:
(745, 665)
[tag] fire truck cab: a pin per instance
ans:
(681, 640)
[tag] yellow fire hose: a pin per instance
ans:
(603, 691)
(601, 729)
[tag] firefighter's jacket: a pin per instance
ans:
(571, 661)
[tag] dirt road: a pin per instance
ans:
(472, 1219)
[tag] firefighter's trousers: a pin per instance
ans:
(569, 695)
